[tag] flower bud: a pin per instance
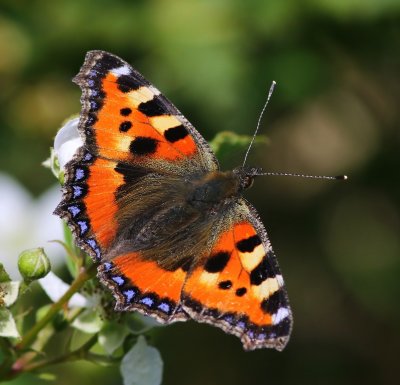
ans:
(33, 264)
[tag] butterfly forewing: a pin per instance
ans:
(125, 118)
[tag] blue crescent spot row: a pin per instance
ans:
(132, 294)
(94, 246)
(77, 190)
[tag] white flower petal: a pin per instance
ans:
(8, 328)
(55, 289)
(67, 142)
(15, 222)
(9, 292)
(48, 227)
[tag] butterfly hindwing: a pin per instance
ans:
(240, 289)
(142, 285)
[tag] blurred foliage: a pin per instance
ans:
(335, 110)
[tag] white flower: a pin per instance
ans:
(67, 142)
(55, 288)
(26, 223)
(89, 321)
(8, 295)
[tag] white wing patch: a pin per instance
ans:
(281, 314)
(124, 70)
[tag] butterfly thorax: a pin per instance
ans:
(213, 188)
(216, 187)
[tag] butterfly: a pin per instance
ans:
(172, 235)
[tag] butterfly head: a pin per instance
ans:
(246, 176)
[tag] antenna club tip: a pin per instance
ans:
(341, 177)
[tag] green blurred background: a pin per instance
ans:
(335, 110)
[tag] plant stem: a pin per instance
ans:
(8, 356)
(79, 281)
(77, 354)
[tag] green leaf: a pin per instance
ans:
(74, 262)
(42, 311)
(8, 328)
(227, 142)
(47, 376)
(4, 277)
(112, 336)
(88, 322)
(142, 365)
(9, 292)
(53, 164)
(139, 324)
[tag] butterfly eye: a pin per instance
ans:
(247, 181)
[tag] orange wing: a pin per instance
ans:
(240, 289)
(89, 204)
(142, 285)
(126, 119)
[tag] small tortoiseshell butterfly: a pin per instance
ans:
(174, 238)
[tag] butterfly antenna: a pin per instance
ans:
(271, 90)
(338, 177)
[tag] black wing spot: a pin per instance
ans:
(271, 304)
(262, 271)
(217, 262)
(282, 329)
(225, 285)
(241, 291)
(175, 133)
(249, 244)
(128, 83)
(143, 146)
(125, 111)
(130, 173)
(125, 126)
(151, 108)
